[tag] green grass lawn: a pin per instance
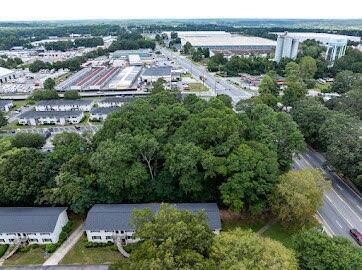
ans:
(281, 234)
(19, 103)
(197, 87)
(324, 88)
(35, 256)
(79, 254)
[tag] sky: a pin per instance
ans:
(28, 10)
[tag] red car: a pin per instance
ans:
(356, 235)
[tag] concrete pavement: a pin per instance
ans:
(59, 254)
(341, 208)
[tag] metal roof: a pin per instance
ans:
(117, 216)
(29, 219)
(64, 102)
(117, 99)
(157, 71)
(40, 114)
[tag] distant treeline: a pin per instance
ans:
(67, 45)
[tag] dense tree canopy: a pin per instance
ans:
(29, 140)
(243, 250)
(315, 250)
(298, 196)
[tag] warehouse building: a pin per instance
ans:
(220, 41)
(64, 105)
(34, 118)
(32, 225)
(106, 222)
(126, 79)
(152, 74)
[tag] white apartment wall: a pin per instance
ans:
(37, 237)
(97, 117)
(155, 78)
(50, 120)
(7, 107)
(106, 236)
(85, 108)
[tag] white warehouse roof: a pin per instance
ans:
(321, 37)
(228, 41)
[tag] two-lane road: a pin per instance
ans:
(341, 210)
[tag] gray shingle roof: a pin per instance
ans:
(157, 71)
(39, 114)
(103, 110)
(117, 99)
(4, 102)
(71, 102)
(29, 219)
(117, 216)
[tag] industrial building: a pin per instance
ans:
(35, 118)
(107, 222)
(102, 78)
(288, 44)
(152, 74)
(219, 41)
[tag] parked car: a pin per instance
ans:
(356, 235)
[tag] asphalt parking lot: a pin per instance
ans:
(56, 130)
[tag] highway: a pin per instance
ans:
(342, 208)
(218, 85)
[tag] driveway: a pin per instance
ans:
(59, 254)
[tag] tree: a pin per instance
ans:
(268, 85)
(44, 95)
(197, 55)
(227, 100)
(187, 48)
(22, 174)
(29, 140)
(74, 186)
(174, 35)
(295, 88)
(71, 94)
(315, 250)
(344, 81)
(308, 67)
(172, 239)
(3, 120)
(310, 115)
(298, 196)
(278, 131)
(253, 173)
(242, 250)
(49, 84)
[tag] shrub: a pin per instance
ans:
(95, 245)
(3, 249)
(51, 247)
(132, 246)
(24, 249)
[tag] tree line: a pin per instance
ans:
(80, 42)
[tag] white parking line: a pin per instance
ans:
(339, 224)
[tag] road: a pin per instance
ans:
(218, 85)
(342, 208)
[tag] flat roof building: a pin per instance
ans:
(152, 74)
(106, 221)
(33, 225)
(34, 118)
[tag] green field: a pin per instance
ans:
(34, 256)
(197, 87)
(80, 254)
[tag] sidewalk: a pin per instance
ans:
(59, 254)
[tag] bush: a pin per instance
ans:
(132, 246)
(3, 249)
(114, 247)
(95, 245)
(51, 247)
(24, 249)
(28, 140)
